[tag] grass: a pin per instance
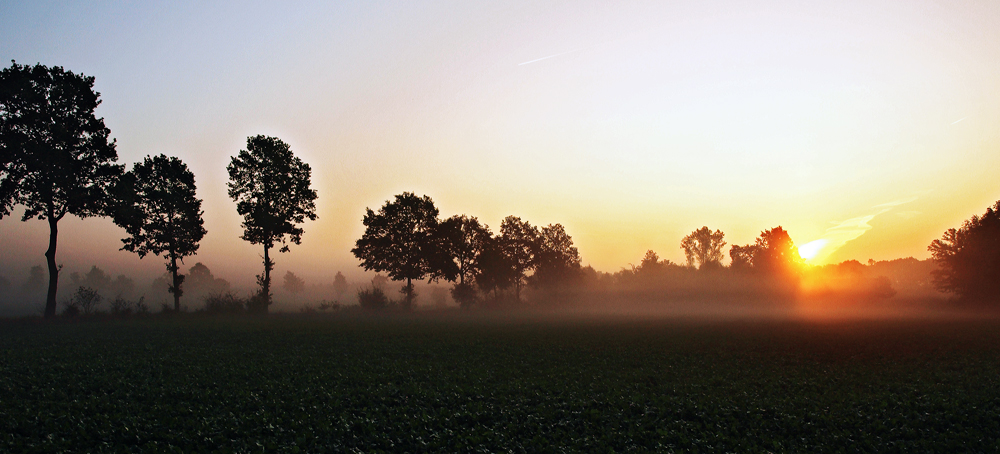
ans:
(515, 384)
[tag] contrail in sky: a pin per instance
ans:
(545, 58)
(956, 121)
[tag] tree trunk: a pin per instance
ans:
(409, 294)
(50, 259)
(265, 300)
(176, 288)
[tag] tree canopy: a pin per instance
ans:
(968, 258)
(459, 242)
(398, 240)
(518, 241)
(557, 261)
(55, 154)
(159, 209)
(271, 187)
(776, 252)
(703, 248)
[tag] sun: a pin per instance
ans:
(812, 248)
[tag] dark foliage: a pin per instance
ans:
(373, 298)
(398, 241)
(347, 384)
(226, 303)
(158, 207)
(55, 156)
(85, 300)
(123, 307)
(968, 259)
(271, 187)
(557, 261)
(460, 241)
(496, 269)
(519, 244)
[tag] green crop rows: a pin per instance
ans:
(454, 384)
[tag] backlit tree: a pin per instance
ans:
(271, 187)
(55, 154)
(398, 240)
(159, 209)
(968, 258)
(703, 248)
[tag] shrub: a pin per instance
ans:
(373, 298)
(85, 300)
(226, 303)
(327, 305)
(122, 306)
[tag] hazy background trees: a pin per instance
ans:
(55, 153)
(271, 187)
(157, 205)
(703, 248)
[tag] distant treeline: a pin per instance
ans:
(57, 159)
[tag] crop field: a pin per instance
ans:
(453, 383)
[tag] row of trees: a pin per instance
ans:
(406, 240)
(57, 159)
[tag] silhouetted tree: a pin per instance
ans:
(55, 157)
(776, 253)
(968, 258)
(742, 257)
(557, 261)
(293, 283)
(96, 279)
(398, 241)
(339, 284)
(704, 248)
(158, 208)
(200, 280)
(519, 241)
(459, 241)
(495, 268)
(651, 264)
(271, 187)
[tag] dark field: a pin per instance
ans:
(470, 384)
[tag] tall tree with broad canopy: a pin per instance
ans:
(557, 261)
(55, 155)
(398, 241)
(271, 187)
(460, 241)
(968, 259)
(704, 248)
(519, 242)
(158, 207)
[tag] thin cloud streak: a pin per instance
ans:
(550, 56)
(851, 229)
(960, 119)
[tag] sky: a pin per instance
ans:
(864, 128)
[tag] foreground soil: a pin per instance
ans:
(449, 383)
